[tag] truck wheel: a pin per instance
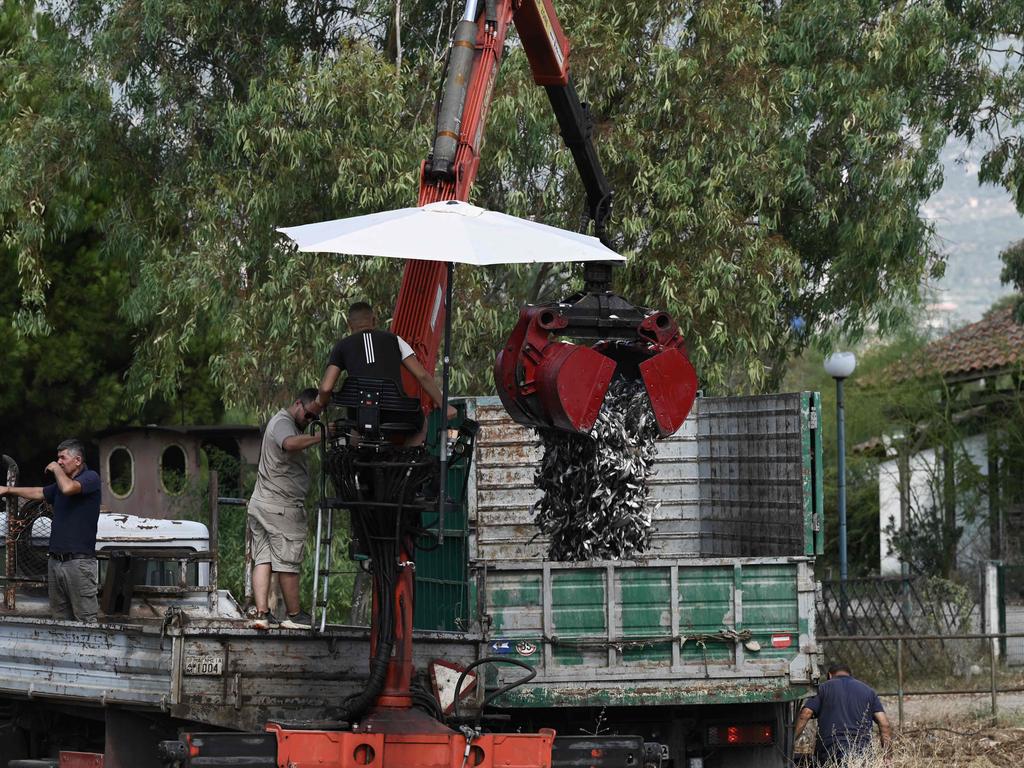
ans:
(33, 763)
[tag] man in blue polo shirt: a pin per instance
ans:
(847, 711)
(72, 573)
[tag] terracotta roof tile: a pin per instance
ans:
(991, 344)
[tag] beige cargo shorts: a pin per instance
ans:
(277, 535)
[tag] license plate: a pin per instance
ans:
(204, 665)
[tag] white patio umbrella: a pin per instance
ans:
(450, 231)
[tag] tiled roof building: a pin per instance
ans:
(993, 345)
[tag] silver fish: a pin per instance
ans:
(595, 503)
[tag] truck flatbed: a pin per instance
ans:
(214, 671)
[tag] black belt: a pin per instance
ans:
(65, 556)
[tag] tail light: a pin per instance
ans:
(748, 735)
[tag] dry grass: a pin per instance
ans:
(949, 732)
(977, 747)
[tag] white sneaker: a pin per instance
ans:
(264, 621)
(300, 620)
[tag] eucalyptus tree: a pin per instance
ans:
(769, 161)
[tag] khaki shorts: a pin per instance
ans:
(277, 535)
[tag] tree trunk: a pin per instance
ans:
(949, 509)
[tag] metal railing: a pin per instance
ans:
(991, 639)
(10, 581)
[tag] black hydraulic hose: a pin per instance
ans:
(382, 538)
(504, 689)
(356, 705)
(315, 425)
(385, 559)
(401, 506)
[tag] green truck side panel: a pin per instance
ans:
(526, 594)
(613, 644)
(442, 573)
(706, 599)
(578, 611)
(643, 596)
(819, 480)
(650, 696)
(770, 607)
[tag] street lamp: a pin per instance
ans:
(839, 365)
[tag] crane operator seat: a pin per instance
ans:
(378, 409)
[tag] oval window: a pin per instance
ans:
(121, 472)
(173, 476)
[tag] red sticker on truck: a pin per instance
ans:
(782, 641)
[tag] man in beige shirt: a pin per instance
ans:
(276, 513)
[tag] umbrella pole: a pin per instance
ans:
(445, 374)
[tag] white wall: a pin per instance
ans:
(972, 514)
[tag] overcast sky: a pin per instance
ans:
(974, 223)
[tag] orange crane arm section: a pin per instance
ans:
(419, 311)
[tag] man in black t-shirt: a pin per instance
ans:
(72, 572)
(370, 352)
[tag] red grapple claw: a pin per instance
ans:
(544, 383)
(572, 385)
(549, 384)
(671, 383)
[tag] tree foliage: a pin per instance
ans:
(65, 350)
(769, 162)
(1013, 274)
(67, 381)
(983, 92)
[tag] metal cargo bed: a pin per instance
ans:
(741, 478)
(209, 671)
(722, 608)
(657, 632)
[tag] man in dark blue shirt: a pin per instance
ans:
(72, 572)
(846, 709)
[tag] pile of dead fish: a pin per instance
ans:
(594, 505)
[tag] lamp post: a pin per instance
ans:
(839, 366)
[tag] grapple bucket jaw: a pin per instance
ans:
(550, 384)
(570, 386)
(671, 383)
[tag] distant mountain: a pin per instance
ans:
(974, 224)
